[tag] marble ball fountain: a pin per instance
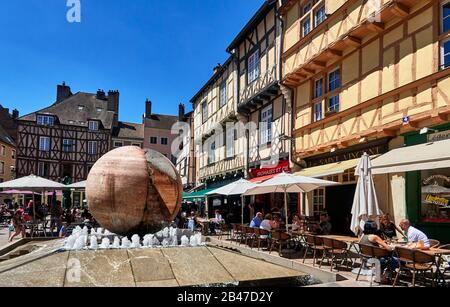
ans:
(134, 191)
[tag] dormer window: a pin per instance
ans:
(45, 120)
(93, 125)
(99, 110)
(80, 108)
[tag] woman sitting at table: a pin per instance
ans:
(370, 238)
(388, 229)
(276, 222)
(266, 224)
(296, 223)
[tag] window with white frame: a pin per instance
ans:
(43, 169)
(334, 83)
(44, 143)
(445, 27)
(92, 148)
(306, 27)
(93, 125)
(318, 202)
(223, 94)
(153, 140)
(253, 67)
(318, 113)
(445, 54)
(307, 7)
(13, 154)
(266, 125)
(164, 141)
(2, 168)
(45, 120)
(230, 140)
(68, 145)
(319, 16)
(212, 153)
(204, 111)
(118, 144)
(2, 150)
(318, 88)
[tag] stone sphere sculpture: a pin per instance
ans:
(133, 191)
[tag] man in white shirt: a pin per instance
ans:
(415, 236)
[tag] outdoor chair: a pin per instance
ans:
(278, 239)
(434, 243)
(224, 229)
(367, 252)
(315, 244)
(414, 261)
(445, 261)
(237, 232)
(262, 235)
(334, 249)
(249, 235)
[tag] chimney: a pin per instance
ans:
(15, 114)
(148, 109)
(113, 105)
(101, 95)
(181, 112)
(62, 92)
(217, 68)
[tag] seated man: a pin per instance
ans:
(324, 227)
(416, 238)
(256, 222)
(216, 221)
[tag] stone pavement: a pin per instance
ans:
(343, 278)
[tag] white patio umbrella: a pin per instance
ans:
(77, 186)
(288, 183)
(32, 183)
(236, 188)
(365, 203)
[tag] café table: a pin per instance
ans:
(438, 255)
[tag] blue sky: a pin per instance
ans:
(157, 49)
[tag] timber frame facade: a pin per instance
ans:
(67, 138)
(257, 52)
(392, 79)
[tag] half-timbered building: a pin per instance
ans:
(367, 76)
(68, 137)
(257, 53)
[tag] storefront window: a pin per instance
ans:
(436, 196)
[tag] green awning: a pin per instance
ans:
(199, 195)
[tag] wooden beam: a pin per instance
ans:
(389, 133)
(299, 75)
(334, 53)
(375, 27)
(309, 70)
(352, 41)
(400, 10)
(439, 118)
(318, 64)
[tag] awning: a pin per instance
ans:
(262, 178)
(414, 158)
(200, 195)
(330, 169)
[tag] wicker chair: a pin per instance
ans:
(368, 252)
(314, 244)
(237, 233)
(334, 249)
(249, 233)
(278, 239)
(434, 243)
(262, 235)
(224, 229)
(414, 261)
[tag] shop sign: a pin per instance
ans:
(435, 200)
(345, 156)
(283, 166)
(439, 136)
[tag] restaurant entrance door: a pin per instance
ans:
(339, 203)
